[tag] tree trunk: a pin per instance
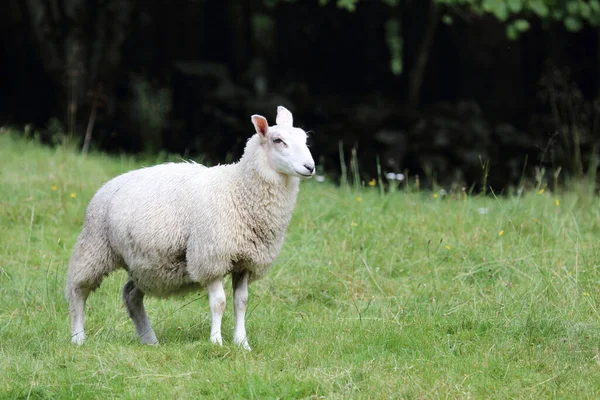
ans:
(598, 61)
(80, 44)
(418, 70)
(238, 19)
(90, 128)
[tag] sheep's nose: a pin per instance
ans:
(310, 167)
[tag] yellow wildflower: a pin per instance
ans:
(73, 195)
(359, 198)
(501, 233)
(435, 195)
(557, 203)
(447, 247)
(372, 182)
(541, 191)
(586, 294)
(53, 187)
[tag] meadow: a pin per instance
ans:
(410, 294)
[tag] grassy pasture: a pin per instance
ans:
(402, 295)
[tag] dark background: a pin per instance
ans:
(185, 75)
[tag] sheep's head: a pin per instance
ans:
(285, 146)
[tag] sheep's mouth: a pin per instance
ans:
(304, 175)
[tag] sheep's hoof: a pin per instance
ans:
(149, 339)
(78, 338)
(216, 340)
(243, 343)
(245, 346)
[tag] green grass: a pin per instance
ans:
(395, 296)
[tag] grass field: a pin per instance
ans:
(405, 295)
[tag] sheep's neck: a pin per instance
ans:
(265, 198)
(266, 202)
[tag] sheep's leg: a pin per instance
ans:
(134, 302)
(77, 297)
(240, 300)
(91, 261)
(216, 299)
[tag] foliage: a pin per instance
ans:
(572, 13)
(515, 13)
(151, 107)
(577, 121)
(401, 295)
(393, 37)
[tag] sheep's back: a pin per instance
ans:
(151, 212)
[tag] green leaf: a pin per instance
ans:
(514, 29)
(521, 25)
(595, 5)
(502, 12)
(585, 11)
(349, 5)
(515, 6)
(396, 66)
(511, 32)
(488, 5)
(558, 15)
(496, 7)
(573, 24)
(447, 19)
(573, 7)
(393, 38)
(539, 8)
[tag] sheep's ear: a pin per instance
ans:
(284, 117)
(260, 124)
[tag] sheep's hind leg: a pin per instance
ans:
(216, 300)
(239, 281)
(77, 297)
(91, 261)
(133, 298)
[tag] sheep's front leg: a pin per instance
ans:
(216, 299)
(240, 301)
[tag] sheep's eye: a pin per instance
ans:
(277, 140)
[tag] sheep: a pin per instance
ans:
(181, 227)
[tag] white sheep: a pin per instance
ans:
(181, 226)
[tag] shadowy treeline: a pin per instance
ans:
(458, 103)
